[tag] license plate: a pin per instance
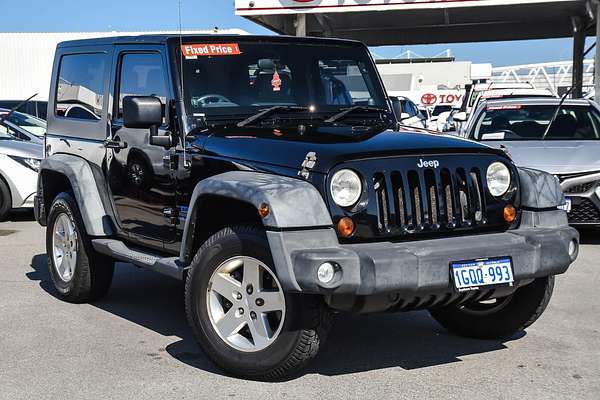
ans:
(469, 275)
(568, 205)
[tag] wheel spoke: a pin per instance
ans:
(249, 324)
(260, 330)
(251, 274)
(230, 323)
(273, 301)
(225, 285)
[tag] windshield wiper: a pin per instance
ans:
(555, 115)
(15, 108)
(350, 110)
(268, 111)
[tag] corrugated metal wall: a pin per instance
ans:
(26, 59)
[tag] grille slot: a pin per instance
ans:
(429, 199)
(582, 188)
(584, 212)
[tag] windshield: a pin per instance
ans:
(238, 79)
(522, 122)
(27, 122)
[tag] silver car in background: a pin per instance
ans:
(569, 148)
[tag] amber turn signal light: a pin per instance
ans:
(263, 210)
(510, 213)
(345, 227)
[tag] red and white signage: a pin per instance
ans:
(210, 50)
(265, 7)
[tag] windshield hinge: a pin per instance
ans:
(308, 164)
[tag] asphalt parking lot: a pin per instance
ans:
(136, 343)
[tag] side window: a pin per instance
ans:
(142, 74)
(81, 86)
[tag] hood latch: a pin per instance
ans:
(309, 163)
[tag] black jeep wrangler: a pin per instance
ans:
(271, 175)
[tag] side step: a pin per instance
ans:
(117, 249)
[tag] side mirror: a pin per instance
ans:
(145, 112)
(460, 116)
(142, 112)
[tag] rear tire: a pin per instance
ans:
(5, 200)
(298, 333)
(502, 319)
(78, 272)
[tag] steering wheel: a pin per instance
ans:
(212, 99)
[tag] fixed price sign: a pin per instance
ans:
(210, 49)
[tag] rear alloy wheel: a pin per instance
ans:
(78, 272)
(239, 313)
(64, 247)
(498, 318)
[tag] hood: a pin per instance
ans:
(554, 156)
(19, 148)
(288, 148)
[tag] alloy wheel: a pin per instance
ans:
(246, 304)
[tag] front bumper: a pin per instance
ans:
(540, 247)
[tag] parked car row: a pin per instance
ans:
(562, 138)
(19, 164)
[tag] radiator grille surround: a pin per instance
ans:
(405, 200)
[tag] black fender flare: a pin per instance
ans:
(89, 189)
(539, 190)
(293, 203)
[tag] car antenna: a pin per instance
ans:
(183, 127)
(564, 97)
(15, 108)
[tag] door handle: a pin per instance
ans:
(115, 144)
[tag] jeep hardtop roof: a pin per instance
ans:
(165, 38)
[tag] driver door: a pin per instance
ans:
(143, 189)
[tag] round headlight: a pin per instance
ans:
(346, 188)
(498, 179)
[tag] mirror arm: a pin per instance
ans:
(165, 141)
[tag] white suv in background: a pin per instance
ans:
(19, 163)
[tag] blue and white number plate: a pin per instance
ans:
(473, 274)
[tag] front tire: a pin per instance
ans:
(78, 273)
(5, 200)
(501, 318)
(239, 313)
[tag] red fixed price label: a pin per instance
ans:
(210, 49)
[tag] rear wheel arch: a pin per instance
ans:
(53, 183)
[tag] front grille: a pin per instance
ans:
(584, 212)
(429, 199)
(582, 188)
(406, 196)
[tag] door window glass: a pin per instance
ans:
(81, 86)
(142, 74)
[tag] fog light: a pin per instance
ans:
(573, 249)
(510, 213)
(326, 272)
